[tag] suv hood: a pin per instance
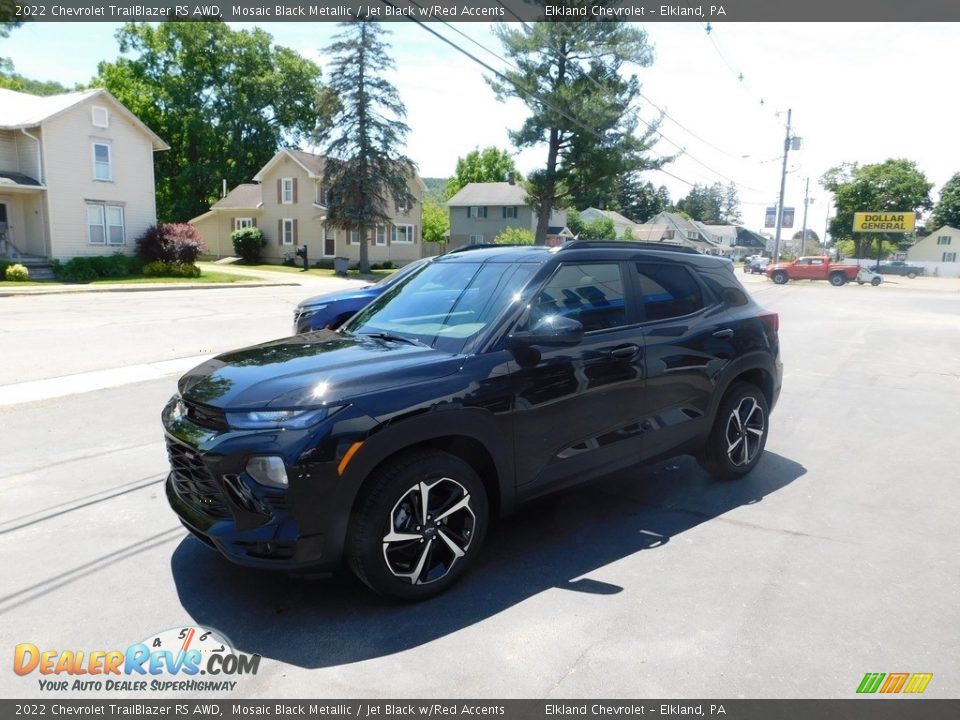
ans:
(308, 370)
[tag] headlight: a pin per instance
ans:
(277, 419)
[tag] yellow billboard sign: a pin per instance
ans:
(895, 222)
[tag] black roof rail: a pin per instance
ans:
(477, 246)
(627, 245)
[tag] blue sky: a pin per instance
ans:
(859, 92)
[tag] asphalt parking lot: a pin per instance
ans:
(836, 557)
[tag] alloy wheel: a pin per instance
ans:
(744, 433)
(429, 530)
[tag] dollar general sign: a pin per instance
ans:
(896, 222)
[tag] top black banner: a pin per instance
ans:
(264, 11)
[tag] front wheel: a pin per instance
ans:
(780, 277)
(418, 526)
(838, 279)
(860, 282)
(739, 433)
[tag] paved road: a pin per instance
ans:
(836, 557)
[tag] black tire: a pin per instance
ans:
(838, 279)
(420, 561)
(911, 275)
(875, 281)
(860, 282)
(735, 446)
(780, 277)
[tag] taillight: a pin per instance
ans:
(771, 320)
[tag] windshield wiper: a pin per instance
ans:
(395, 338)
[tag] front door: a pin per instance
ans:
(5, 238)
(577, 408)
(329, 242)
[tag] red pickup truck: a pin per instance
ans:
(812, 268)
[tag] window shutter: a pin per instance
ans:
(504, 209)
(295, 233)
(391, 231)
(294, 196)
(483, 211)
(279, 191)
(279, 231)
(414, 238)
(254, 221)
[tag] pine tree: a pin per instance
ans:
(365, 172)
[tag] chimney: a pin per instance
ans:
(510, 179)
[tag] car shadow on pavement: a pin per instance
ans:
(549, 543)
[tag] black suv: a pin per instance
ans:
(489, 378)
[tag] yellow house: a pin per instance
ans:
(287, 201)
(940, 246)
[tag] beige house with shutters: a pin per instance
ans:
(287, 201)
(76, 175)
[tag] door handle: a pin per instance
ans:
(725, 333)
(625, 351)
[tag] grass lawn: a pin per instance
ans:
(205, 277)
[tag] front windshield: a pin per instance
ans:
(446, 305)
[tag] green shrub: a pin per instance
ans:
(112, 266)
(248, 243)
(387, 265)
(17, 273)
(3, 267)
(77, 270)
(158, 268)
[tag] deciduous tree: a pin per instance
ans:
(947, 209)
(224, 100)
(481, 166)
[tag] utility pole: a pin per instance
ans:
(783, 188)
(806, 204)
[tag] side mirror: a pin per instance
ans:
(551, 331)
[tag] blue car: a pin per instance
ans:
(331, 310)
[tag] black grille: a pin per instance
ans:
(206, 417)
(194, 483)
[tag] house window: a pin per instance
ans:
(287, 231)
(403, 234)
(510, 213)
(354, 237)
(321, 197)
(949, 257)
(403, 208)
(100, 117)
(101, 162)
(943, 240)
(476, 239)
(381, 235)
(242, 223)
(286, 192)
(105, 224)
(476, 212)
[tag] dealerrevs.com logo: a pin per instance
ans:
(893, 683)
(187, 659)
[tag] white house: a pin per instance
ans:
(76, 175)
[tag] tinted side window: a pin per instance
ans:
(591, 293)
(668, 291)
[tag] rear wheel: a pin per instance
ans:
(837, 279)
(911, 275)
(875, 282)
(780, 277)
(739, 433)
(419, 526)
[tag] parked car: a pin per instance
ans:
(899, 267)
(486, 379)
(331, 310)
(866, 275)
(756, 265)
(814, 267)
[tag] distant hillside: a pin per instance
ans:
(435, 187)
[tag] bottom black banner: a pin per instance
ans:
(858, 709)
